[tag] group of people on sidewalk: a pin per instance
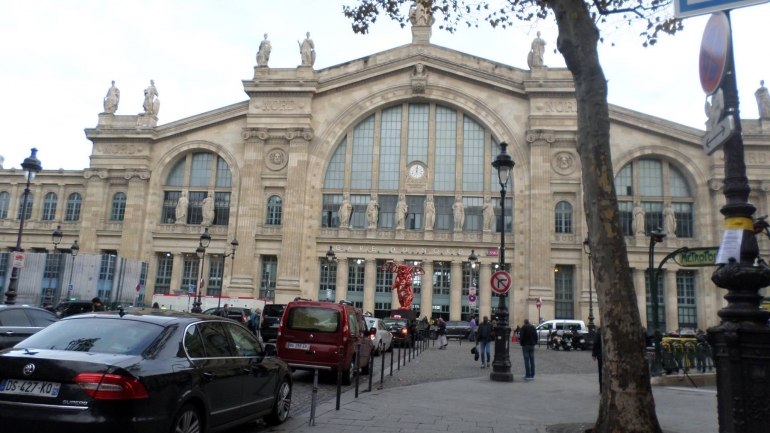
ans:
(485, 336)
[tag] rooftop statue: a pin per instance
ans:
(307, 50)
(535, 56)
(151, 102)
(112, 100)
(263, 55)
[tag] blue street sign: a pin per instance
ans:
(69, 288)
(192, 289)
(691, 8)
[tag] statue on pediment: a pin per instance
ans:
(458, 211)
(181, 208)
(207, 209)
(639, 219)
(669, 219)
(763, 101)
(112, 100)
(419, 15)
(307, 50)
(535, 56)
(151, 102)
(430, 213)
(263, 55)
(345, 210)
(372, 212)
(488, 211)
(401, 209)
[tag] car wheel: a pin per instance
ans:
(347, 375)
(282, 405)
(187, 420)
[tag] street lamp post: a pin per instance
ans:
(656, 236)
(591, 324)
(330, 258)
(234, 244)
(74, 249)
(473, 259)
(203, 243)
(32, 167)
(56, 240)
(501, 366)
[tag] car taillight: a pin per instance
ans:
(110, 386)
(243, 319)
(371, 336)
(344, 333)
(404, 330)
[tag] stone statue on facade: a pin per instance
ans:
(430, 213)
(489, 213)
(401, 209)
(345, 210)
(2, 161)
(763, 101)
(208, 211)
(112, 100)
(669, 219)
(459, 213)
(714, 109)
(181, 208)
(535, 56)
(263, 55)
(419, 15)
(372, 212)
(151, 101)
(639, 219)
(307, 50)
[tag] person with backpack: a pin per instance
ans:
(442, 333)
(254, 321)
(485, 335)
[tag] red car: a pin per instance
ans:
(311, 333)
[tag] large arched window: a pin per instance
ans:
(274, 211)
(28, 210)
(118, 209)
(5, 202)
(660, 188)
(74, 202)
(200, 175)
(420, 148)
(563, 213)
(49, 207)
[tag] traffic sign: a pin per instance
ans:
(691, 8)
(18, 260)
(69, 288)
(471, 298)
(539, 303)
(472, 290)
(714, 50)
(718, 136)
(191, 289)
(501, 282)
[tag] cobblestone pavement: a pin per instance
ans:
(432, 365)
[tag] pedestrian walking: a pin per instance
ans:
(224, 312)
(596, 353)
(442, 334)
(254, 321)
(485, 335)
(528, 340)
(472, 326)
(96, 305)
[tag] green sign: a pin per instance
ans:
(698, 257)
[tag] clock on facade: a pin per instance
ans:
(416, 171)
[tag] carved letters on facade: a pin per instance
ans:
(280, 105)
(556, 106)
(564, 163)
(276, 159)
(119, 149)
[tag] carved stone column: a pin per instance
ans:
(541, 214)
(672, 306)
(641, 294)
(15, 204)
(134, 218)
(456, 291)
(91, 214)
(426, 292)
(39, 198)
(341, 291)
(61, 207)
(370, 272)
(176, 272)
(292, 245)
(484, 290)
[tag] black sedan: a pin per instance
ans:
(143, 371)
(18, 322)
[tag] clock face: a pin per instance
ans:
(416, 171)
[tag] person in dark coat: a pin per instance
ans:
(596, 353)
(528, 340)
(96, 305)
(485, 336)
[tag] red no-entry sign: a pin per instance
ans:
(539, 303)
(501, 282)
(714, 50)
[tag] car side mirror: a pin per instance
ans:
(271, 350)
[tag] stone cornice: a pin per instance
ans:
(208, 118)
(656, 125)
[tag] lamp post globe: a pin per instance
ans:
(501, 366)
(31, 167)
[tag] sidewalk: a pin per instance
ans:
(478, 405)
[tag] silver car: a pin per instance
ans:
(382, 340)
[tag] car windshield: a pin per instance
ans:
(313, 319)
(96, 335)
(273, 310)
(393, 322)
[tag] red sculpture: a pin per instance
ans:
(402, 283)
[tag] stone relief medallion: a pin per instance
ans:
(564, 163)
(276, 159)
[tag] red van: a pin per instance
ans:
(311, 333)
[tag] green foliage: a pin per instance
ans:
(655, 15)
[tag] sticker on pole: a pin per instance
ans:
(191, 289)
(539, 303)
(714, 49)
(501, 282)
(138, 287)
(471, 298)
(18, 260)
(472, 290)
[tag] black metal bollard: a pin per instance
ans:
(382, 367)
(339, 378)
(409, 351)
(391, 358)
(398, 360)
(371, 369)
(315, 395)
(405, 353)
(358, 364)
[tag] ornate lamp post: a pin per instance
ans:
(656, 236)
(204, 242)
(330, 258)
(234, 244)
(472, 259)
(32, 167)
(501, 366)
(74, 249)
(55, 240)
(591, 325)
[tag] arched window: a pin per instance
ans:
(652, 183)
(49, 207)
(74, 201)
(118, 211)
(274, 211)
(5, 202)
(28, 210)
(563, 217)
(199, 175)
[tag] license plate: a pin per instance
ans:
(297, 346)
(29, 387)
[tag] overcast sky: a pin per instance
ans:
(57, 59)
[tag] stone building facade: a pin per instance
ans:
(417, 125)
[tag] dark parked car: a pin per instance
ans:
(459, 329)
(238, 314)
(142, 371)
(70, 308)
(18, 322)
(271, 320)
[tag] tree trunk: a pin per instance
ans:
(627, 405)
